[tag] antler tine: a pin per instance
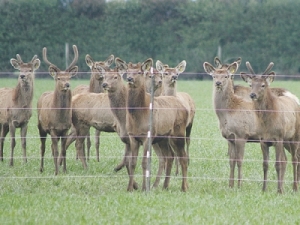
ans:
(250, 68)
(33, 58)
(19, 58)
(270, 66)
(45, 56)
(75, 57)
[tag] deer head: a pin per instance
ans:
(136, 72)
(62, 78)
(114, 77)
(258, 83)
(26, 74)
(97, 66)
(170, 75)
(221, 77)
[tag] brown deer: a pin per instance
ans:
(170, 77)
(16, 105)
(244, 91)
(279, 117)
(95, 86)
(117, 94)
(169, 123)
(238, 122)
(55, 112)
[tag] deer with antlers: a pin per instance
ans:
(279, 118)
(95, 86)
(16, 105)
(55, 110)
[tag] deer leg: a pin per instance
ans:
(43, 136)
(293, 151)
(63, 150)
(232, 162)
(161, 164)
(88, 144)
(12, 131)
(70, 139)
(23, 140)
(188, 141)
(97, 144)
(240, 150)
(265, 152)
(131, 163)
(169, 158)
(280, 165)
(178, 146)
(4, 131)
(82, 132)
(54, 147)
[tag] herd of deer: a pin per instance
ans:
(269, 116)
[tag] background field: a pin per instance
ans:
(98, 195)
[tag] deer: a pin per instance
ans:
(168, 125)
(279, 117)
(238, 122)
(95, 86)
(16, 105)
(157, 77)
(244, 91)
(55, 112)
(117, 94)
(170, 77)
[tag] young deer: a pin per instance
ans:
(170, 77)
(55, 112)
(117, 94)
(169, 123)
(95, 86)
(238, 122)
(279, 117)
(16, 105)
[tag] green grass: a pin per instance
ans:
(98, 195)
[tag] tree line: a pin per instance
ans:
(259, 31)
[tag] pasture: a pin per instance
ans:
(98, 195)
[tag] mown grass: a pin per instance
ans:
(98, 195)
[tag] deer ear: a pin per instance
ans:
(218, 62)
(89, 61)
(146, 66)
(53, 71)
(15, 63)
(247, 78)
(232, 68)
(109, 60)
(208, 68)
(73, 71)
(36, 64)
(181, 67)
(160, 66)
(270, 77)
(121, 65)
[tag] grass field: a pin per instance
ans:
(98, 195)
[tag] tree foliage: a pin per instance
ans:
(168, 30)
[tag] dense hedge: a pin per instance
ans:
(170, 30)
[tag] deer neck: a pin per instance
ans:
(170, 91)
(95, 85)
(23, 95)
(223, 100)
(138, 101)
(62, 101)
(117, 101)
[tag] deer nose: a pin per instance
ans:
(252, 95)
(218, 83)
(129, 79)
(104, 85)
(67, 85)
(22, 76)
(174, 77)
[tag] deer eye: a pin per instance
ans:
(226, 76)
(58, 78)
(166, 74)
(139, 73)
(115, 77)
(263, 85)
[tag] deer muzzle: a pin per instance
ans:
(253, 96)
